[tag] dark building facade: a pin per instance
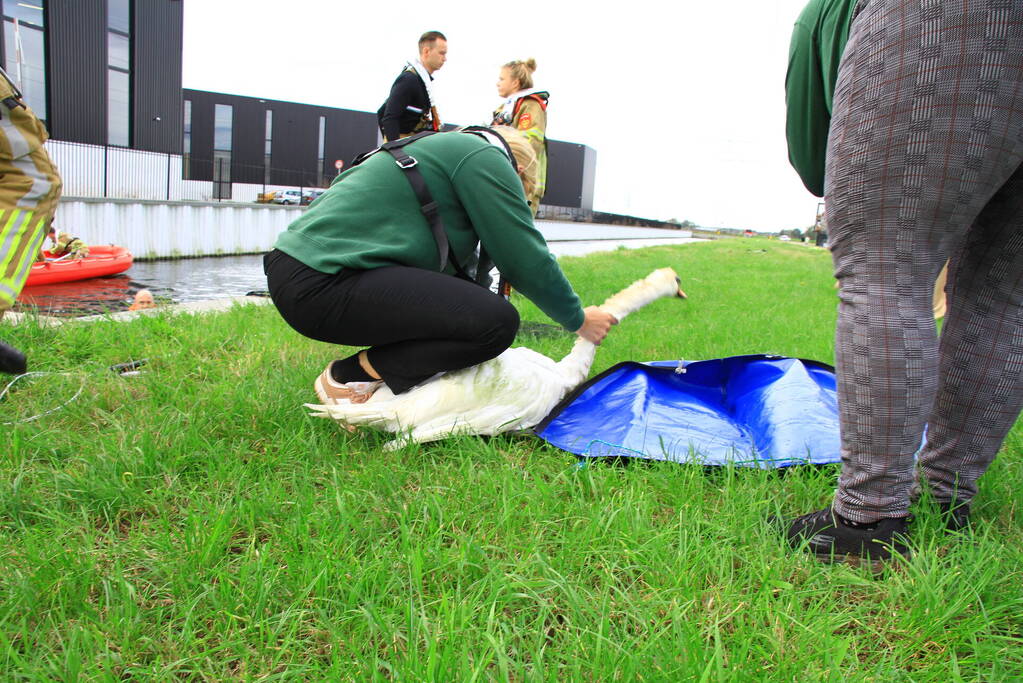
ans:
(102, 72)
(571, 169)
(270, 141)
(108, 72)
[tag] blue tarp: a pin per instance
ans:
(757, 411)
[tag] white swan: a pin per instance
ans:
(513, 391)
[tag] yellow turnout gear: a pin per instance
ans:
(29, 189)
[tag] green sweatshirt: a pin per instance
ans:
(370, 218)
(818, 41)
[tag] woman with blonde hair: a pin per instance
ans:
(525, 109)
(385, 259)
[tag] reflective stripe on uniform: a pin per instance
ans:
(10, 230)
(18, 252)
(29, 189)
(29, 257)
(41, 184)
(6, 297)
(15, 138)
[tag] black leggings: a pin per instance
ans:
(416, 322)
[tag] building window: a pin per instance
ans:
(119, 73)
(118, 49)
(186, 142)
(223, 115)
(119, 16)
(222, 120)
(319, 154)
(25, 12)
(118, 102)
(267, 144)
(25, 50)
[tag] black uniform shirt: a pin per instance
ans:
(405, 105)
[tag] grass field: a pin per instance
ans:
(193, 523)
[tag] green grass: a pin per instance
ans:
(194, 523)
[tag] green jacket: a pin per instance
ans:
(818, 40)
(370, 218)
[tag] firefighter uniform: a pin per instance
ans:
(29, 189)
(529, 117)
(68, 245)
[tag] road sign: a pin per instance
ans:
(339, 164)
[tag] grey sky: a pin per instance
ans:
(683, 102)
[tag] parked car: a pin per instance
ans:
(785, 238)
(288, 197)
(309, 196)
(295, 197)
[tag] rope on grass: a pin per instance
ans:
(128, 369)
(48, 412)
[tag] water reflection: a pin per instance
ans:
(215, 277)
(200, 279)
(178, 281)
(82, 297)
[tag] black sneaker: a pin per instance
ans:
(12, 361)
(832, 540)
(956, 515)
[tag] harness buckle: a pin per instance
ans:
(406, 162)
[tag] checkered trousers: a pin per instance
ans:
(924, 164)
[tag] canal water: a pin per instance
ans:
(215, 277)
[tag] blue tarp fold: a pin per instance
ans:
(757, 411)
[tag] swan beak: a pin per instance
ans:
(680, 294)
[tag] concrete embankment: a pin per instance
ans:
(164, 230)
(191, 307)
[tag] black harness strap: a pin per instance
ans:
(428, 206)
(491, 136)
(426, 202)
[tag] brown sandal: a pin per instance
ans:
(332, 392)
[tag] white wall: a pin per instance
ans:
(95, 171)
(152, 229)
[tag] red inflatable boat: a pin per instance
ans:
(101, 261)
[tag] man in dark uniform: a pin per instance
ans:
(410, 108)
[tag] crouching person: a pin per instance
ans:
(392, 257)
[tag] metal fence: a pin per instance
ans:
(119, 173)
